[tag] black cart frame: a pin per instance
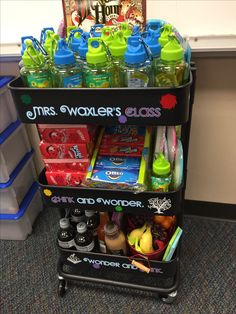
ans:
(123, 106)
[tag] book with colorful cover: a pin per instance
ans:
(86, 13)
(172, 245)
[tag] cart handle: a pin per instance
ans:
(140, 265)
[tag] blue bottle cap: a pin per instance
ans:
(43, 34)
(135, 52)
(63, 55)
(96, 30)
(155, 25)
(83, 46)
(136, 31)
(73, 41)
(151, 40)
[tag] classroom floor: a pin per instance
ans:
(29, 279)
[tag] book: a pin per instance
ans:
(172, 244)
(86, 13)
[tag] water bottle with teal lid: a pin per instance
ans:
(83, 48)
(97, 71)
(74, 41)
(172, 70)
(166, 32)
(117, 49)
(66, 72)
(96, 30)
(151, 40)
(35, 73)
(137, 72)
(155, 25)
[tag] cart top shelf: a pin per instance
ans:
(108, 106)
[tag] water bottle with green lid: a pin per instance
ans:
(117, 49)
(66, 72)
(107, 35)
(126, 30)
(50, 44)
(166, 32)
(35, 72)
(97, 71)
(137, 72)
(172, 70)
(161, 174)
(23, 47)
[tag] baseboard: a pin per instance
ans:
(210, 209)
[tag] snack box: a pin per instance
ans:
(117, 139)
(63, 133)
(18, 226)
(67, 165)
(8, 113)
(121, 150)
(116, 176)
(117, 162)
(65, 178)
(127, 130)
(66, 151)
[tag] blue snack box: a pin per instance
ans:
(117, 162)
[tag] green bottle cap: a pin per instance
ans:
(31, 56)
(118, 45)
(172, 50)
(107, 35)
(161, 165)
(126, 30)
(48, 41)
(96, 51)
(166, 32)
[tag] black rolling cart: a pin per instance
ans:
(148, 106)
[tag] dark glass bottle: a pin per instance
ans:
(92, 221)
(66, 234)
(77, 215)
(84, 241)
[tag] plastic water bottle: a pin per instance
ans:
(97, 71)
(83, 49)
(84, 241)
(161, 174)
(35, 72)
(66, 72)
(23, 47)
(117, 49)
(107, 35)
(137, 71)
(66, 234)
(151, 40)
(74, 40)
(172, 70)
(50, 44)
(165, 33)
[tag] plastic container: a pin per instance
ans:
(19, 226)
(14, 190)
(14, 144)
(7, 108)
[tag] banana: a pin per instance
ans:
(145, 243)
(136, 234)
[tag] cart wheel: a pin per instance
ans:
(62, 286)
(170, 298)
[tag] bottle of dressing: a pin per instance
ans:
(115, 239)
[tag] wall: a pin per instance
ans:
(212, 155)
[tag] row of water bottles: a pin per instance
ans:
(154, 58)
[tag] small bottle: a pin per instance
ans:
(137, 71)
(50, 45)
(65, 234)
(165, 33)
(161, 174)
(23, 47)
(104, 219)
(84, 241)
(35, 72)
(115, 239)
(172, 70)
(151, 40)
(97, 71)
(117, 49)
(92, 221)
(77, 215)
(83, 49)
(74, 40)
(66, 72)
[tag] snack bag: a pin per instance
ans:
(86, 13)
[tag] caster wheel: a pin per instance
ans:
(170, 298)
(61, 289)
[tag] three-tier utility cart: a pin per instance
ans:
(124, 106)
